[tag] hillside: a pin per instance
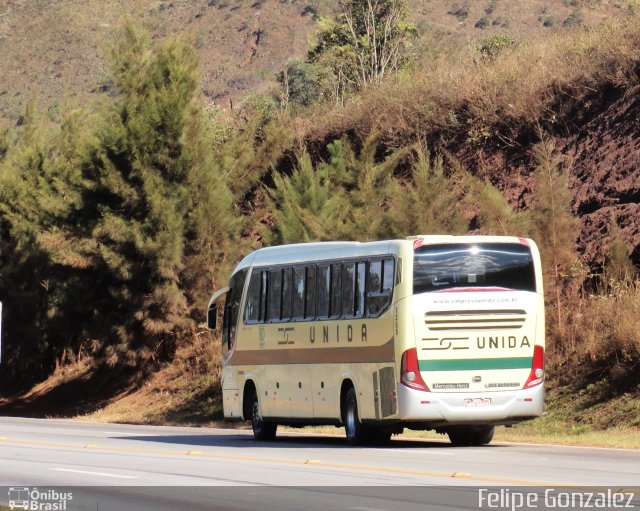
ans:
(51, 49)
(141, 202)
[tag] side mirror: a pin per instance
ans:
(212, 308)
(212, 316)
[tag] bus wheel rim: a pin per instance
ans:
(351, 419)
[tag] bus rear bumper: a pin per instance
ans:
(451, 408)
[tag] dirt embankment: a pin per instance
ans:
(600, 143)
(604, 160)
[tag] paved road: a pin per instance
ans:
(60, 453)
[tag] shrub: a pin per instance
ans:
(576, 18)
(494, 45)
(301, 83)
(459, 11)
(483, 22)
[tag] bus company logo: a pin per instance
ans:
(503, 342)
(446, 343)
(35, 500)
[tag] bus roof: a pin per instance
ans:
(317, 251)
(303, 252)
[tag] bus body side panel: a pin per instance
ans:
(231, 402)
(299, 375)
(326, 382)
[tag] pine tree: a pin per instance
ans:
(346, 197)
(307, 206)
(38, 186)
(553, 224)
(160, 211)
(494, 214)
(429, 202)
(373, 188)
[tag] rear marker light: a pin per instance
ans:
(536, 376)
(410, 371)
(528, 399)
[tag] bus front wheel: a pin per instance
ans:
(262, 430)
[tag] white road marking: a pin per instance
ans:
(104, 474)
(122, 433)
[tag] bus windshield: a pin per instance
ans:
(473, 265)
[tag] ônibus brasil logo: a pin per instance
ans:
(33, 499)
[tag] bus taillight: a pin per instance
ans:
(410, 371)
(536, 377)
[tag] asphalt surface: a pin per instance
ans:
(124, 466)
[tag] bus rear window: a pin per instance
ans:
(478, 265)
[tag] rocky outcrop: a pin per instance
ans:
(604, 160)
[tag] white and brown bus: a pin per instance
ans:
(430, 332)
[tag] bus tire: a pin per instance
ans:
(355, 431)
(483, 435)
(471, 435)
(262, 430)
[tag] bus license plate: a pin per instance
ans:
(477, 402)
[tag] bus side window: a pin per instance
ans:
(232, 309)
(310, 298)
(388, 273)
(264, 280)
(336, 290)
(298, 293)
(274, 295)
(361, 274)
(324, 292)
(348, 289)
(252, 309)
(287, 292)
(379, 285)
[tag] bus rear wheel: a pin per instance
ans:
(471, 435)
(354, 429)
(357, 433)
(262, 430)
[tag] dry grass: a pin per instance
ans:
(65, 374)
(466, 95)
(619, 438)
(185, 391)
(604, 328)
(51, 49)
